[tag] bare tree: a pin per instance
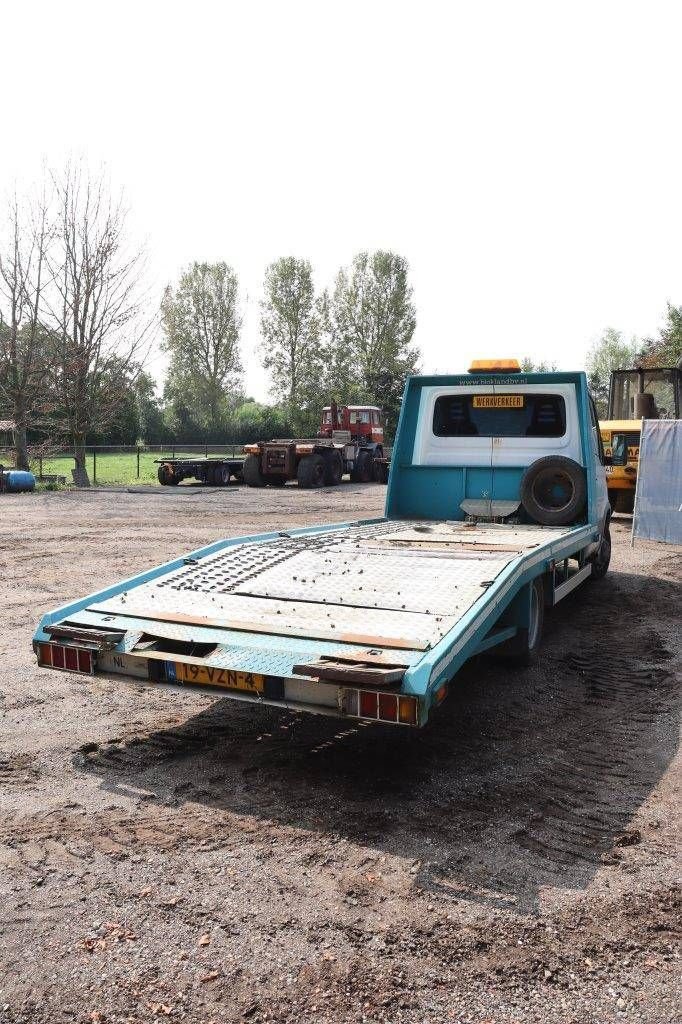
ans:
(24, 347)
(96, 306)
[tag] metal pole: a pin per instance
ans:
(94, 465)
(40, 466)
(138, 462)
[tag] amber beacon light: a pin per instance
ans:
(495, 366)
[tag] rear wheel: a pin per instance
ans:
(362, 473)
(274, 480)
(166, 476)
(311, 470)
(333, 469)
(209, 476)
(600, 562)
(522, 649)
(222, 476)
(251, 473)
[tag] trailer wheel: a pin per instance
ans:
(553, 490)
(333, 469)
(222, 476)
(166, 476)
(209, 477)
(311, 471)
(522, 649)
(251, 473)
(362, 473)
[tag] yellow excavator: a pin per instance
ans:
(634, 395)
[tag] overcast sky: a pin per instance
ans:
(526, 158)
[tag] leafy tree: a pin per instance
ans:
(371, 320)
(290, 326)
(25, 351)
(528, 366)
(253, 421)
(666, 349)
(201, 326)
(96, 307)
(610, 352)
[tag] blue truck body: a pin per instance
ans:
(370, 619)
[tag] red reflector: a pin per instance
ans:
(368, 704)
(84, 661)
(71, 659)
(57, 656)
(388, 707)
(44, 654)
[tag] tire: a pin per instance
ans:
(209, 476)
(311, 471)
(275, 480)
(554, 491)
(362, 474)
(600, 561)
(522, 649)
(251, 473)
(333, 469)
(625, 503)
(222, 476)
(166, 476)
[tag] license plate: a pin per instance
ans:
(207, 675)
(498, 401)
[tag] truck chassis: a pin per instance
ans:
(214, 472)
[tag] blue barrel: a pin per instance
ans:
(15, 480)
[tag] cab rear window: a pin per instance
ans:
(508, 415)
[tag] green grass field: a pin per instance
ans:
(115, 467)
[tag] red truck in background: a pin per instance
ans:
(350, 440)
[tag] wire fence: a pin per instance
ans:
(116, 464)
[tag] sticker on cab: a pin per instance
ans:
(498, 401)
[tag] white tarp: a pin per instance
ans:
(658, 499)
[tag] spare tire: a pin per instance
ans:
(554, 490)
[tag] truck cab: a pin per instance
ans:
(363, 422)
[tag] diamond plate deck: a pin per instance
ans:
(342, 585)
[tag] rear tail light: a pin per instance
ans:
(69, 659)
(381, 707)
(388, 707)
(369, 702)
(407, 710)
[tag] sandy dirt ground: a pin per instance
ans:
(175, 856)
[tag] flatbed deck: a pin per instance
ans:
(387, 592)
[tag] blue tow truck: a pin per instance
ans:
(496, 509)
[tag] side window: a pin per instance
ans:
(375, 418)
(595, 427)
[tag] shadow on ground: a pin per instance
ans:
(523, 780)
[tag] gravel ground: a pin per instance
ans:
(173, 855)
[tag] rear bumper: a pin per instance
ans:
(292, 694)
